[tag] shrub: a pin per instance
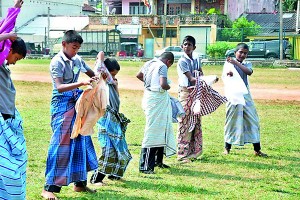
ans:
(218, 49)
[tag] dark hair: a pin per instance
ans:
(71, 36)
(190, 39)
(18, 46)
(241, 46)
(167, 55)
(112, 64)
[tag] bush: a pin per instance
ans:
(218, 50)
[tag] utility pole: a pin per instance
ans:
(280, 30)
(165, 24)
(48, 32)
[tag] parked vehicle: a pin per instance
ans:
(131, 49)
(176, 50)
(93, 42)
(265, 49)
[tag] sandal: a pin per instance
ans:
(260, 154)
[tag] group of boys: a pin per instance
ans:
(68, 159)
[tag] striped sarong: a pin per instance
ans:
(13, 159)
(68, 160)
(158, 129)
(115, 155)
(242, 123)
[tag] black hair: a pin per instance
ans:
(241, 46)
(112, 64)
(18, 46)
(167, 55)
(71, 36)
(190, 39)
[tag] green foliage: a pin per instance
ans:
(218, 49)
(289, 5)
(213, 11)
(241, 28)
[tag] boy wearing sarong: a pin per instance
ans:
(68, 160)
(158, 136)
(242, 122)
(13, 154)
(188, 67)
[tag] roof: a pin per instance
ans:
(270, 21)
(88, 8)
(58, 24)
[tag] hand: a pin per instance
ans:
(12, 36)
(104, 75)
(116, 81)
(230, 74)
(232, 61)
(18, 3)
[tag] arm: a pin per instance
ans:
(190, 77)
(164, 83)
(90, 73)
(140, 76)
(5, 36)
(242, 67)
(18, 3)
(61, 87)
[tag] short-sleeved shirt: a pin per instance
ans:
(68, 69)
(242, 74)
(186, 64)
(152, 71)
(7, 91)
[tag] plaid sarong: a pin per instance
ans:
(115, 155)
(68, 160)
(13, 158)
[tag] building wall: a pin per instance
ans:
(237, 7)
(31, 9)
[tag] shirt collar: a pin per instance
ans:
(64, 57)
(194, 55)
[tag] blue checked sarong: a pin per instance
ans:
(68, 160)
(13, 159)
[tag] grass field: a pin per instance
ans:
(239, 175)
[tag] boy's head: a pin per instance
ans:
(241, 51)
(71, 43)
(167, 58)
(17, 51)
(188, 45)
(112, 65)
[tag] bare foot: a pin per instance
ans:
(84, 189)
(48, 195)
(226, 151)
(99, 184)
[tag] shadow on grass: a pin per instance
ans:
(164, 187)
(104, 194)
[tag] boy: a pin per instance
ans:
(158, 137)
(6, 26)
(12, 142)
(188, 66)
(68, 160)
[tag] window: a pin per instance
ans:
(137, 8)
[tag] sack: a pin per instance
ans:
(177, 109)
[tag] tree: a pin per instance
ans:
(241, 28)
(289, 5)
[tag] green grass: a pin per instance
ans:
(239, 175)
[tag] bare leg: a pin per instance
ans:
(48, 195)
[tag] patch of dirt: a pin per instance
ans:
(132, 83)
